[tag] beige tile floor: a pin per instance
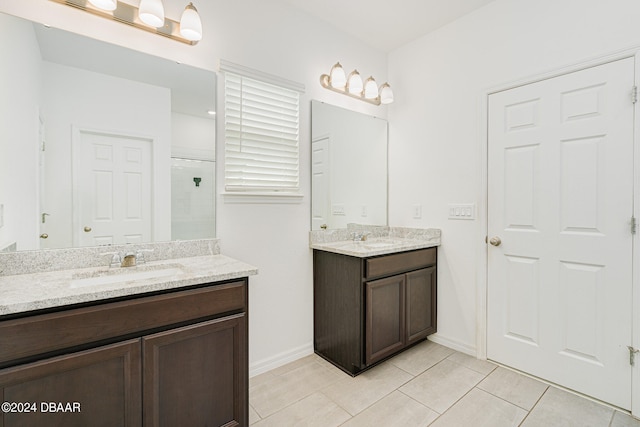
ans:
(428, 385)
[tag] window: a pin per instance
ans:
(261, 136)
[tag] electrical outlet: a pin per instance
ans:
(363, 211)
(417, 211)
(462, 211)
(337, 210)
(1, 215)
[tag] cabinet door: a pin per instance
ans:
(197, 375)
(385, 317)
(97, 387)
(421, 304)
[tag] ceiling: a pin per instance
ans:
(387, 24)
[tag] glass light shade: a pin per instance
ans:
(151, 12)
(190, 24)
(354, 83)
(337, 77)
(105, 4)
(386, 94)
(370, 88)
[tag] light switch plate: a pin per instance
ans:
(462, 211)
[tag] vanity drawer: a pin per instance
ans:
(40, 334)
(399, 263)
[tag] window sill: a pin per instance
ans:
(266, 198)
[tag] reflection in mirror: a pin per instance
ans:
(348, 167)
(90, 136)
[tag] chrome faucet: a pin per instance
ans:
(128, 259)
(359, 236)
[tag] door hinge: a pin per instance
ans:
(632, 355)
(634, 94)
(634, 225)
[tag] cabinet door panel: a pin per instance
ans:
(421, 299)
(385, 311)
(197, 375)
(104, 381)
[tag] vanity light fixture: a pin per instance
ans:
(105, 4)
(151, 12)
(190, 24)
(149, 16)
(353, 86)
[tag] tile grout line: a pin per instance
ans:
(303, 396)
(512, 403)
(534, 406)
(426, 406)
(465, 394)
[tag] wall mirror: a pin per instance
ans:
(348, 167)
(102, 144)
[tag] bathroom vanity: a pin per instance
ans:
(372, 298)
(165, 349)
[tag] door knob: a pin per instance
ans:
(495, 241)
(44, 235)
(87, 229)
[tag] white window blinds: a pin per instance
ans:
(261, 136)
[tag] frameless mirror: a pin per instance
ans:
(101, 144)
(348, 167)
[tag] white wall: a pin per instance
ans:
(436, 140)
(88, 100)
(193, 137)
(20, 96)
(271, 37)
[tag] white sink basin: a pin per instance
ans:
(125, 276)
(380, 243)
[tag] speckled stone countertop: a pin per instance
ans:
(22, 293)
(380, 240)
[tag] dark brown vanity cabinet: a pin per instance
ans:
(367, 309)
(174, 359)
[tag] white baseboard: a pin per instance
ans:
(280, 359)
(453, 344)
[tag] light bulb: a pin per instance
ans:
(151, 12)
(386, 94)
(337, 77)
(190, 23)
(354, 83)
(370, 88)
(108, 5)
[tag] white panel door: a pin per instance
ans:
(42, 205)
(320, 183)
(560, 186)
(113, 189)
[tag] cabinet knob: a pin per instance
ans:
(44, 235)
(87, 229)
(495, 241)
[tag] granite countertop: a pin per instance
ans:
(27, 292)
(380, 240)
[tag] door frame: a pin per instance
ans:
(76, 140)
(483, 217)
(321, 137)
